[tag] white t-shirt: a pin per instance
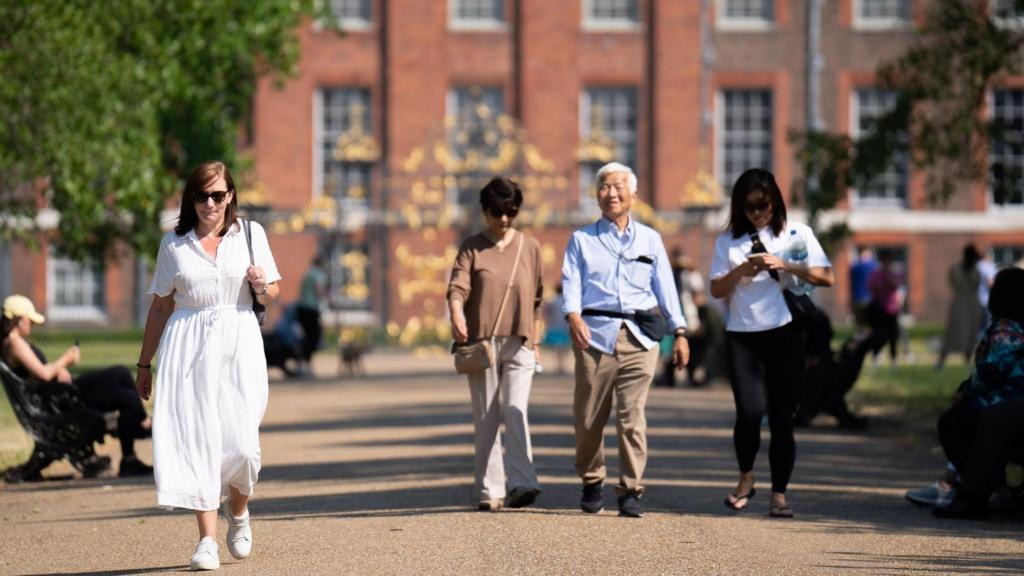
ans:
(756, 304)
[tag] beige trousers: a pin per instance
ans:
(627, 376)
(501, 394)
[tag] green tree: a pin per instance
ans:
(104, 106)
(941, 83)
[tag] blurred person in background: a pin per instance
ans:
(103, 390)
(965, 314)
(860, 295)
(480, 279)
(307, 310)
(883, 313)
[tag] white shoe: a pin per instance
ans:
(206, 556)
(239, 533)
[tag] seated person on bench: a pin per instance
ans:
(102, 390)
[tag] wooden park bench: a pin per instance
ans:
(60, 425)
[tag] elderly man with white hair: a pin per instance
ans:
(620, 301)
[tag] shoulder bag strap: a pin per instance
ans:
(511, 281)
(252, 260)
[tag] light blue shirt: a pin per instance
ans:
(601, 271)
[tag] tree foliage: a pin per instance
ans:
(941, 84)
(104, 106)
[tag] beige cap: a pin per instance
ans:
(18, 305)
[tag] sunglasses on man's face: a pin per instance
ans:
(498, 212)
(756, 206)
(218, 197)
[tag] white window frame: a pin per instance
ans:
(357, 24)
(474, 24)
(64, 313)
(990, 199)
(732, 24)
(590, 23)
(869, 24)
(719, 139)
(854, 195)
(1011, 248)
(1015, 22)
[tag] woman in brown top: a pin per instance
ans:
(479, 279)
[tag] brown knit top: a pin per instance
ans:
(479, 277)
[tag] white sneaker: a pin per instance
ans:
(206, 556)
(934, 494)
(239, 533)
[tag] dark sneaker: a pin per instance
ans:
(962, 508)
(592, 501)
(521, 497)
(134, 467)
(629, 505)
(95, 466)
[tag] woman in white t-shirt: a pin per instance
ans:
(752, 264)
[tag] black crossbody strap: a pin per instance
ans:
(252, 260)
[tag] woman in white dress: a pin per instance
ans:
(212, 387)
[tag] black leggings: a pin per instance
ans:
(766, 369)
(114, 389)
(885, 329)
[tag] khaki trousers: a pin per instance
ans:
(627, 376)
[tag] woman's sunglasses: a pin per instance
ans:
(498, 212)
(218, 197)
(756, 206)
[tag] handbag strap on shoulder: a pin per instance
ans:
(248, 242)
(508, 288)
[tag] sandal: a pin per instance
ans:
(780, 512)
(733, 500)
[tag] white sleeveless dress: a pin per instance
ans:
(211, 374)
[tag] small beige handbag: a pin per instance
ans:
(479, 355)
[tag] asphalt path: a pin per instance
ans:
(373, 475)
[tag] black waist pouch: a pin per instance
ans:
(650, 322)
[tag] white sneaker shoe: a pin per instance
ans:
(206, 556)
(239, 533)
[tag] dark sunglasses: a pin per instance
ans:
(756, 207)
(218, 197)
(498, 212)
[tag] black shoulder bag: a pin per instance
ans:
(801, 307)
(259, 309)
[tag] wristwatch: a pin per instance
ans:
(681, 333)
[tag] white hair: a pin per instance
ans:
(611, 168)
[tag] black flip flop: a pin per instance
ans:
(732, 504)
(780, 512)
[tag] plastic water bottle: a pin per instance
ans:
(796, 251)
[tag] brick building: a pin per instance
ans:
(373, 151)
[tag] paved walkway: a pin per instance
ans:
(372, 475)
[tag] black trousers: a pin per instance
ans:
(979, 443)
(114, 389)
(309, 319)
(885, 329)
(766, 371)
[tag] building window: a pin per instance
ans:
(352, 13)
(474, 137)
(606, 114)
(604, 13)
(746, 133)
(746, 12)
(74, 291)
(344, 116)
(1006, 158)
(889, 187)
(477, 13)
(1007, 256)
(881, 13)
(1008, 12)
